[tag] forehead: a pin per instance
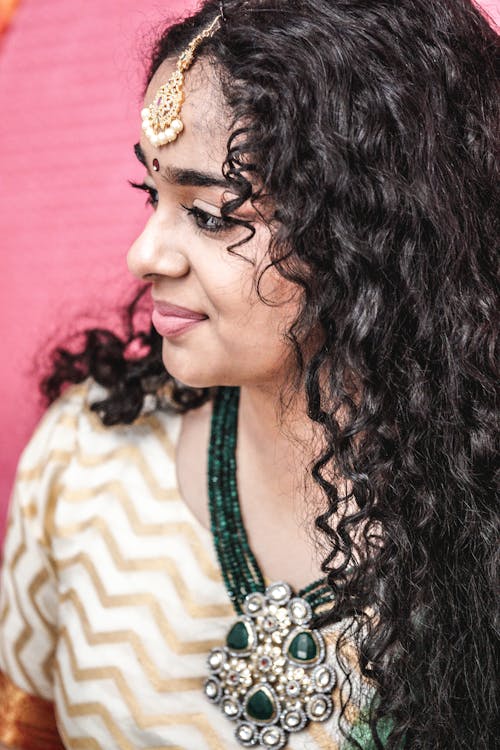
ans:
(204, 113)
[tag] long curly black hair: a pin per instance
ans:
(373, 125)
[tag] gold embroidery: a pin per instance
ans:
(115, 488)
(40, 579)
(28, 721)
(128, 455)
(27, 630)
(170, 568)
(21, 549)
(137, 600)
(81, 743)
(54, 457)
(163, 438)
(5, 613)
(181, 528)
(130, 637)
(165, 564)
(115, 675)
(68, 420)
(30, 511)
(87, 709)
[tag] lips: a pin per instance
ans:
(172, 320)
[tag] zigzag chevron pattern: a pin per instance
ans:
(111, 595)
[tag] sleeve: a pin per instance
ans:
(28, 588)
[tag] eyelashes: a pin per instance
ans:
(151, 192)
(207, 222)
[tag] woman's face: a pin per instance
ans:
(229, 337)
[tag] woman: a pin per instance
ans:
(270, 520)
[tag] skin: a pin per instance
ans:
(240, 343)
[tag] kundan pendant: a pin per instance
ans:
(270, 676)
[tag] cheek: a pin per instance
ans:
(254, 335)
(246, 311)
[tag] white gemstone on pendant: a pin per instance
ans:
(215, 659)
(230, 708)
(300, 611)
(323, 677)
(279, 592)
(145, 113)
(253, 603)
(245, 732)
(294, 719)
(272, 737)
(213, 689)
(319, 707)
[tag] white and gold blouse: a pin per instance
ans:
(111, 596)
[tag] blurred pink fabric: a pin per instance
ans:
(70, 92)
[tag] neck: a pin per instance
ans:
(263, 413)
(279, 438)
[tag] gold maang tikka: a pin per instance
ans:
(161, 121)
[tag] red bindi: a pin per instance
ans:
(156, 165)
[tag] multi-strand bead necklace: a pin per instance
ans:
(270, 676)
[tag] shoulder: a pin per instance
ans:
(71, 452)
(71, 423)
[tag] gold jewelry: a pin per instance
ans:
(161, 121)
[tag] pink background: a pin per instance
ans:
(70, 83)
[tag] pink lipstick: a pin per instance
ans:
(172, 320)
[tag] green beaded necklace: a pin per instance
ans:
(239, 567)
(270, 677)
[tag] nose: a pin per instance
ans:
(157, 252)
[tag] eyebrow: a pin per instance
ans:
(184, 177)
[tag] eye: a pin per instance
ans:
(208, 222)
(151, 192)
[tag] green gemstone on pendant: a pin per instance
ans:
(261, 706)
(238, 637)
(303, 648)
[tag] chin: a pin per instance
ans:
(191, 375)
